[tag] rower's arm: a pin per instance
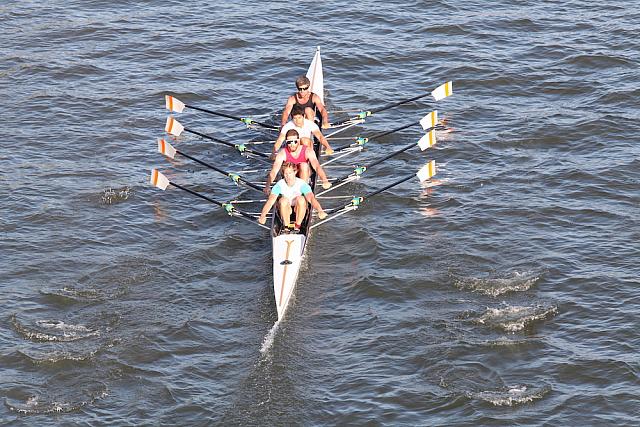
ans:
(278, 143)
(316, 204)
(323, 111)
(323, 141)
(287, 110)
(273, 172)
(315, 164)
(267, 207)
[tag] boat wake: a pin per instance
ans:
(511, 396)
(269, 338)
(517, 282)
(516, 318)
(52, 330)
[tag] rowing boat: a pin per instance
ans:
(289, 248)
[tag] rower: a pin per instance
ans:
(308, 101)
(299, 154)
(305, 128)
(292, 192)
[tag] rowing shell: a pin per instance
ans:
(288, 249)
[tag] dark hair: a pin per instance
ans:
(297, 110)
(292, 132)
(302, 81)
(287, 165)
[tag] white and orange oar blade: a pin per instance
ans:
(428, 140)
(173, 104)
(165, 148)
(427, 171)
(442, 91)
(430, 120)
(173, 126)
(158, 179)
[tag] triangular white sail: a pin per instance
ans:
(315, 75)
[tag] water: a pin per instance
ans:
(502, 293)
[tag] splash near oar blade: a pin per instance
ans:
(430, 120)
(427, 171)
(165, 148)
(173, 104)
(442, 91)
(158, 179)
(428, 140)
(173, 126)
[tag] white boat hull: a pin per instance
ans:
(287, 259)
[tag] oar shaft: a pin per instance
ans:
(395, 104)
(221, 141)
(393, 184)
(229, 116)
(210, 200)
(223, 172)
(377, 162)
(387, 157)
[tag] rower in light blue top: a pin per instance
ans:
(291, 191)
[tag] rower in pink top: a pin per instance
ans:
(297, 153)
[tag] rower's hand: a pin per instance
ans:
(273, 156)
(267, 190)
(326, 185)
(326, 125)
(328, 151)
(262, 219)
(322, 214)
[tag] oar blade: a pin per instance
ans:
(430, 120)
(173, 126)
(427, 171)
(442, 91)
(165, 148)
(428, 140)
(173, 104)
(158, 179)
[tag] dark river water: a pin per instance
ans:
(503, 292)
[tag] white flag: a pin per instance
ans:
(427, 171)
(165, 148)
(442, 91)
(173, 104)
(430, 120)
(173, 126)
(158, 180)
(428, 140)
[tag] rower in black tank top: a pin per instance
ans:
(309, 103)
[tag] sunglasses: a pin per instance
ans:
(292, 141)
(301, 89)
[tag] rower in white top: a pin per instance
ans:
(291, 191)
(305, 128)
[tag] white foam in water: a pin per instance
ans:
(515, 395)
(268, 339)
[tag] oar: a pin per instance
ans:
(162, 182)
(427, 122)
(174, 104)
(427, 141)
(168, 150)
(426, 172)
(175, 128)
(441, 92)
